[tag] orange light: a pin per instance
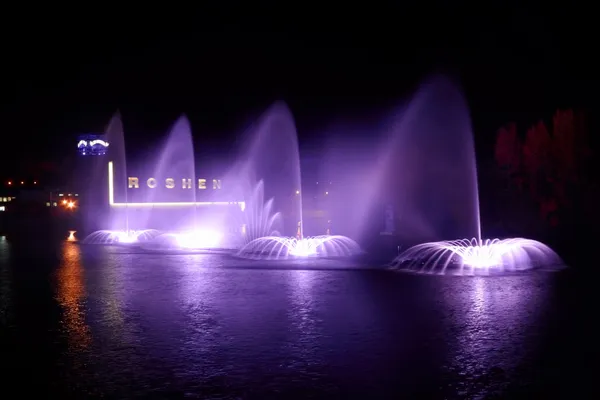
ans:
(64, 201)
(9, 182)
(71, 204)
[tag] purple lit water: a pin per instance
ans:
(267, 166)
(117, 153)
(427, 166)
(270, 153)
(259, 218)
(109, 322)
(176, 160)
(93, 183)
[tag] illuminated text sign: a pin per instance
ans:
(167, 204)
(133, 182)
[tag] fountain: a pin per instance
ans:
(196, 240)
(95, 203)
(432, 155)
(273, 154)
(262, 241)
(475, 257)
(91, 173)
(125, 237)
(281, 248)
(427, 165)
(173, 209)
(258, 219)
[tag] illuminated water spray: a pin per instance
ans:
(121, 237)
(263, 241)
(272, 154)
(473, 256)
(116, 150)
(429, 158)
(176, 160)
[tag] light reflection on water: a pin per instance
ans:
(495, 326)
(303, 316)
(6, 282)
(71, 296)
(167, 325)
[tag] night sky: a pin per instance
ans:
(66, 74)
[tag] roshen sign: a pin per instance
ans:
(113, 203)
(170, 183)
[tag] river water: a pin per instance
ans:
(112, 322)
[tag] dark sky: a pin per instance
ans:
(66, 72)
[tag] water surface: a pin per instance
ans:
(106, 322)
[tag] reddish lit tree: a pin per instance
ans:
(571, 155)
(512, 210)
(571, 146)
(552, 166)
(536, 159)
(563, 136)
(563, 153)
(508, 149)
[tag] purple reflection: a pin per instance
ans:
(477, 257)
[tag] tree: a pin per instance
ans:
(571, 146)
(564, 144)
(575, 193)
(536, 160)
(512, 210)
(554, 167)
(508, 149)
